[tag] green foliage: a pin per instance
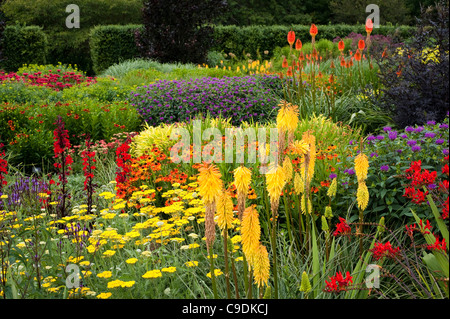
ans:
(112, 44)
(352, 12)
(27, 129)
(23, 44)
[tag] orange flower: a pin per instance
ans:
(369, 26)
(331, 80)
(332, 66)
(298, 45)
(289, 71)
(361, 44)
(285, 63)
(358, 55)
(301, 57)
(313, 30)
(291, 37)
(341, 45)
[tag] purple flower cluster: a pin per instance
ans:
(238, 98)
(23, 190)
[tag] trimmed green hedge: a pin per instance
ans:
(112, 44)
(254, 39)
(23, 45)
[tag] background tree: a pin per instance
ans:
(2, 27)
(178, 30)
(416, 78)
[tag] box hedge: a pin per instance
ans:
(23, 45)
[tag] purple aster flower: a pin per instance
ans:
(371, 138)
(430, 134)
(331, 176)
(392, 135)
(380, 137)
(351, 171)
(440, 141)
(404, 136)
(445, 151)
(411, 142)
(416, 148)
(418, 129)
(431, 123)
(399, 151)
(432, 186)
(409, 129)
(373, 154)
(444, 125)
(384, 168)
(387, 128)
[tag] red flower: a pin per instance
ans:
(284, 63)
(445, 170)
(369, 26)
(341, 45)
(298, 45)
(338, 283)
(291, 37)
(438, 245)
(313, 30)
(342, 228)
(384, 250)
(423, 228)
(3, 168)
(361, 44)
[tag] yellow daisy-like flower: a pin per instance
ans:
(362, 196)
(210, 183)
(152, 274)
(217, 272)
(250, 233)
(131, 261)
(261, 266)
(105, 274)
(242, 178)
(224, 211)
(104, 295)
(192, 263)
(275, 180)
(361, 166)
(109, 253)
(169, 269)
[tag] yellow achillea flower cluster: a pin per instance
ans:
(152, 274)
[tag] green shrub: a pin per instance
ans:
(23, 44)
(112, 44)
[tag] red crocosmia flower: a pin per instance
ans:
(342, 228)
(361, 45)
(411, 229)
(341, 45)
(445, 209)
(313, 30)
(291, 37)
(3, 168)
(425, 229)
(384, 250)
(298, 45)
(338, 283)
(438, 245)
(443, 186)
(369, 26)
